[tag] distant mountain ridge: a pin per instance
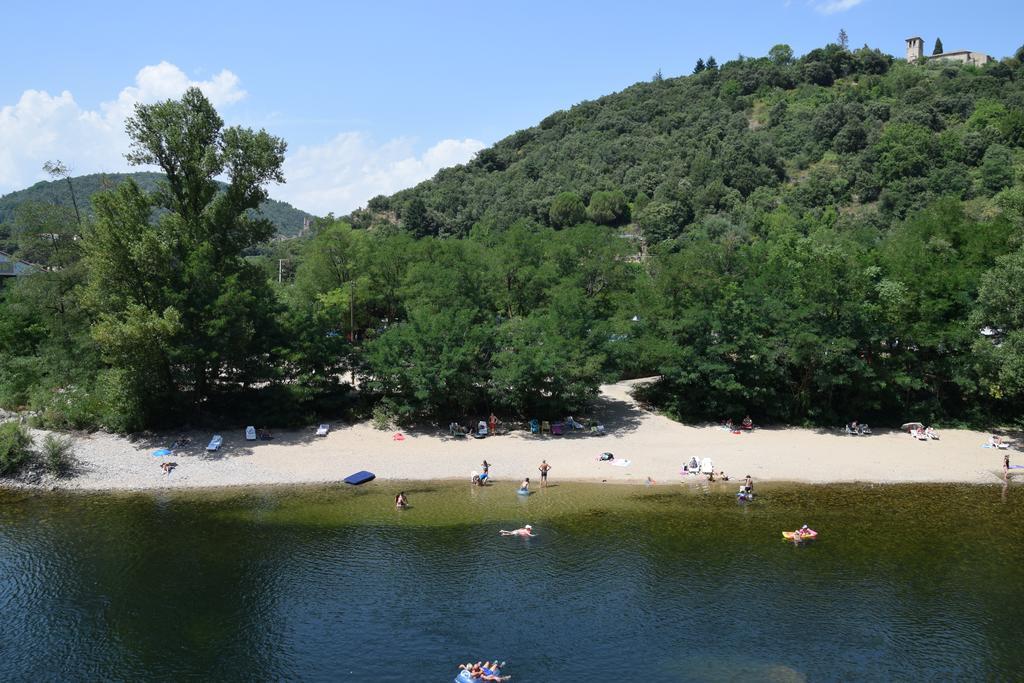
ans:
(286, 218)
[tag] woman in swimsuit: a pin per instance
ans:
(401, 502)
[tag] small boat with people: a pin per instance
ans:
(800, 535)
(480, 671)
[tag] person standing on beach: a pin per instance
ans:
(493, 423)
(1006, 464)
(544, 467)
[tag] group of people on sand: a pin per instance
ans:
(746, 425)
(485, 671)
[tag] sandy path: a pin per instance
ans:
(656, 446)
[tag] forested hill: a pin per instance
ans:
(287, 219)
(849, 129)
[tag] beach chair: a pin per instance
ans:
(597, 430)
(323, 429)
(557, 429)
(481, 428)
(706, 465)
(534, 426)
(215, 443)
(545, 426)
(250, 433)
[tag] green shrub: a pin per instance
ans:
(15, 448)
(383, 418)
(58, 454)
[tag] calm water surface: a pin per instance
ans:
(624, 583)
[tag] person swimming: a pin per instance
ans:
(401, 502)
(524, 531)
(525, 486)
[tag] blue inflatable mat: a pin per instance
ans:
(360, 478)
(162, 452)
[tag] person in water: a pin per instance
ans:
(401, 502)
(544, 468)
(525, 486)
(524, 531)
(484, 671)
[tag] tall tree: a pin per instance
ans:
(844, 40)
(57, 169)
(699, 66)
(181, 314)
(937, 50)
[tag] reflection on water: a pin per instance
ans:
(622, 583)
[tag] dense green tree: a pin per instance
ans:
(937, 50)
(180, 314)
(781, 55)
(607, 208)
(997, 168)
(566, 209)
(999, 316)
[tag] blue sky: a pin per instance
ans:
(373, 97)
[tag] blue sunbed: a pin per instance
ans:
(360, 478)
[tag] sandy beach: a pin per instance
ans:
(656, 447)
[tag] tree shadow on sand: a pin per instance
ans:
(193, 442)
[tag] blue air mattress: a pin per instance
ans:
(465, 677)
(162, 452)
(360, 478)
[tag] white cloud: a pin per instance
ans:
(343, 173)
(339, 175)
(834, 6)
(40, 126)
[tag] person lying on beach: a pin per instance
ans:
(168, 466)
(524, 531)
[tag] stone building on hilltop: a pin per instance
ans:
(915, 51)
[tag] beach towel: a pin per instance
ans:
(1017, 467)
(399, 436)
(162, 452)
(621, 463)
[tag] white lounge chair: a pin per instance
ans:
(706, 465)
(250, 433)
(323, 429)
(215, 443)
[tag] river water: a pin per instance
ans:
(623, 583)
